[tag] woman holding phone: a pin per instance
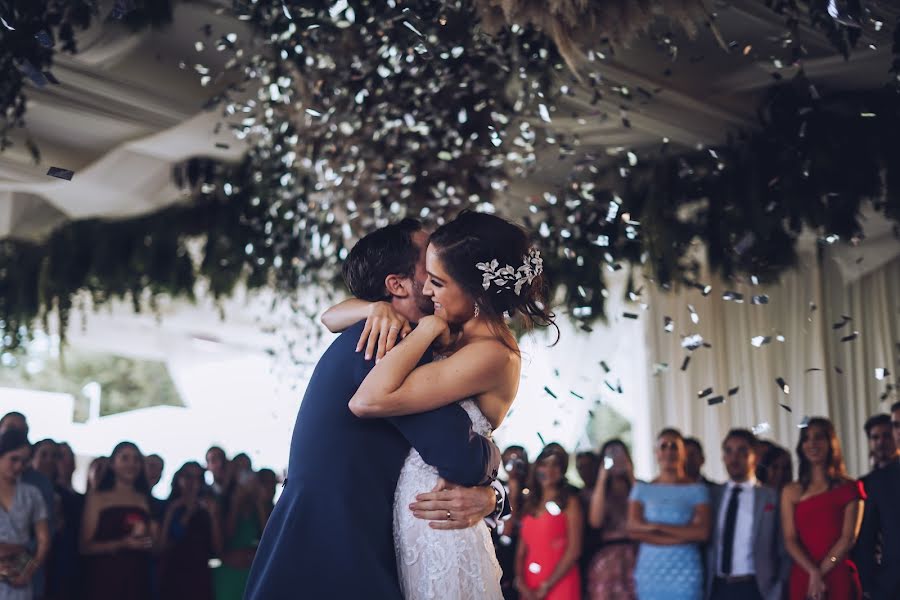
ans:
(610, 575)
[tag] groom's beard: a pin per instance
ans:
(423, 302)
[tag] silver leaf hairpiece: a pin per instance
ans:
(508, 277)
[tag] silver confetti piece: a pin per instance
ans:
(783, 385)
(694, 316)
(760, 340)
(668, 324)
(692, 342)
(761, 299)
(881, 373)
(704, 393)
(733, 297)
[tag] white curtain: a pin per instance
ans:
(733, 361)
(832, 293)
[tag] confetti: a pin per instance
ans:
(684, 365)
(222, 146)
(839, 370)
(783, 385)
(786, 407)
(7, 25)
(760, 340)
(629, 315)
(761, 428)
(579, 396)
(60, 173)
(733, 297)
(540, 437)
(605, 366)
(660, 368)
(704, 393)
(851, 337)
(761, 299)
(844, 320)
(881, 373)
(694, 316)
(692, 342)
(811, 369)
(715, 400)
(733, 391)
(550, 392)
(804, 423)
(668, 324)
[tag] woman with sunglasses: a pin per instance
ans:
(670, 518)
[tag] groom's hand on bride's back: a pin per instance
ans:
(464, 506)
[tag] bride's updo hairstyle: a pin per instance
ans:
(473, 239)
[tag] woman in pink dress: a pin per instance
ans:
(551, 533)
(611, 572)
(821, 514)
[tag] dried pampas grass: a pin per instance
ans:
(575, 25)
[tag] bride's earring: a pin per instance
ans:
(477, 311)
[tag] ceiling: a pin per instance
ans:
(126, 111)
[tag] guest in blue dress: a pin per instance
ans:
(670, 518)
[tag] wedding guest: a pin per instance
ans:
(694, 460)
(882, 449)
(551, 532)
(268, 487)
(96, 471)
(244, 518)
(611, 571)
(878, 548)
(218, 466)
(17, 421)
(821, 516)
(189, 538)
(587, 465)
(775, 468)
(242, 463)
(506, 535)
(746, 557)
(24, 529)
(670, 517)
(117, 533)
(65, 466)
(153, 467)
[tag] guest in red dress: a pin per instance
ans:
(190, 537)
(117, 534)
(551, 533)
(821, 514)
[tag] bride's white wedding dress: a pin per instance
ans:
(435, 564)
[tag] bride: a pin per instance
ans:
(480, 268)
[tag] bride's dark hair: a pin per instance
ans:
(473, 238)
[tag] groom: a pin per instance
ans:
(331, 533)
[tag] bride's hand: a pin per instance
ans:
(384, 328)
(439, 328)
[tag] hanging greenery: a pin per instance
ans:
(360, 112)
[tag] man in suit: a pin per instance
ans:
(882, 449)
(878, 548)
(746, 557)
(331, 533)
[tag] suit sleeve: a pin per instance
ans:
(864, 553)
(445, 439)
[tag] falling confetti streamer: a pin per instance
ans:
(694, 316)
(550, 392)
(786, 407)
(61, 173)
(704, 393)
(851, 337)
(684, 365)
(783, 385)
(668, 324)
(881, 373)
(760, 340)
(733, 391)
(715, 400)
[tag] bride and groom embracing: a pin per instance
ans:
(392, 471)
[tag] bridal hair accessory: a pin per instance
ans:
(508, 277)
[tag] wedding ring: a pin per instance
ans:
(449, 516)
(393, 327)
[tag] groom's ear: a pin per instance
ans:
(397, 286)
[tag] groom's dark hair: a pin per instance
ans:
(386, 251)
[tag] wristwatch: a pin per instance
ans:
(498, 498)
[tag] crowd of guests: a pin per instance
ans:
(119, 541)
(761, 535)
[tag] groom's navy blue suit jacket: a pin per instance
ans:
(330, 535)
